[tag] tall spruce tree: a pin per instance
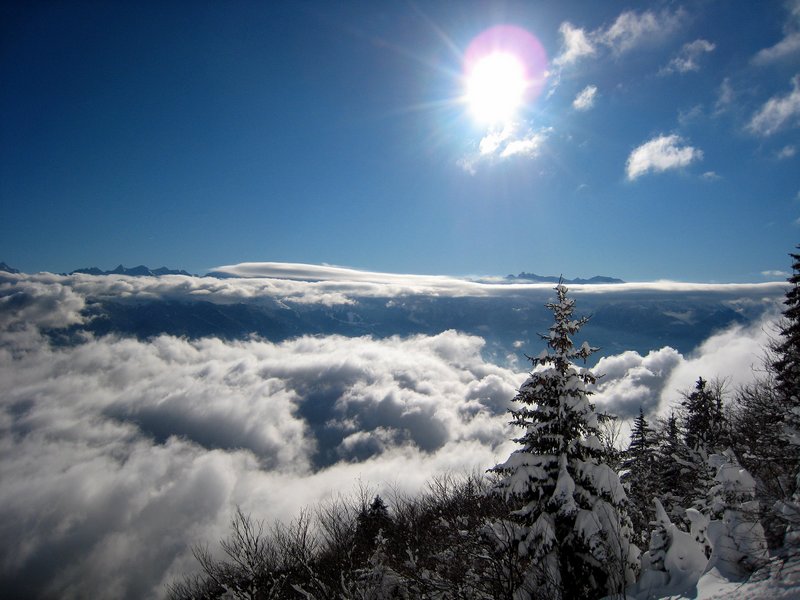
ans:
(703, 432)
(787, 366)
(787, 377)
(570, 508)
(640, 477)
(703, 421)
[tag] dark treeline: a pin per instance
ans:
(568, 515)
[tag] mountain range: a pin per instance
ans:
(140, 271)
(534, 278)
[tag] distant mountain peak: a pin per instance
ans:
(533, 277)
(139, 271)
(7, 269)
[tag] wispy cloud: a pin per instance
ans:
(688, 58)
(527, 145)
(632, 29)
(691, 114)
(789, 45)
(711, 176)
(585, 99)
(662, 153)
(725, 96)
(503, 144)
(778, 112)
(775, 273)
(628, 31)
(786, 152)
(575, 44)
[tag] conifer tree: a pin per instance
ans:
(787, 366)
(673, 463)
(570, 508)
(372, 522)
(703, 421)
(639, 476)
(703, 428)
(787, 378)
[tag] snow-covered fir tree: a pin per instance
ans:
(787, 366)
(639, 476)
(787, 379)
(703, 430)
(703, 421)
(570, 508)
(672, 464)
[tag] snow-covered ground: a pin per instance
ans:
(778, 580)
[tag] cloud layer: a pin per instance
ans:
(654, 381)
(118, 454)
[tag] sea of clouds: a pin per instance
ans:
(118, 454)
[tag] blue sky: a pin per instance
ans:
(664, 142)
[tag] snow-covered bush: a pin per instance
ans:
(738, 543)
(673, 563)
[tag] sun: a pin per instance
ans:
(495, 88)
(505, 68)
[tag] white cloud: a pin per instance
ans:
(790, 44)
(628, 31)
(120, 454)
(632, 29)
(529, 145)
(711, 176)
(631, 381)
(777, 112)
(786, 152)
(688, 57)
(662, 153)
(775, 273)
(492, 141)
(575, 45)
(654, 381)
(585, 99)
(57, 300)
(505, 143)
(734, 355)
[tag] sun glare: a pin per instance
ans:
(504, 68)
(496, 88)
